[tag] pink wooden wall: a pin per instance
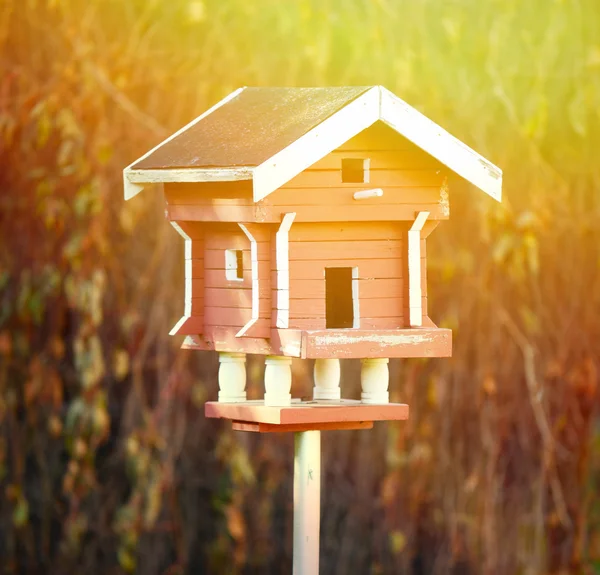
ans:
(378, 250)
(411, 181)
(330, 229)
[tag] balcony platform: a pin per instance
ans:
(430, 341)
(305, 415)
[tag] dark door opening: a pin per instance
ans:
(339, 301)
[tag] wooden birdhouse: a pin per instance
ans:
(305, 214)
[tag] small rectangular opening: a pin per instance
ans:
(355, 170)
(341, 298)
(234, 265)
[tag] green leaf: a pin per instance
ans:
(21, 512)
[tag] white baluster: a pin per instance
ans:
(375, 379)
(278, 380)
(327, 379)
(232, 377)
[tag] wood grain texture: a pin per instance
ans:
(412, 342)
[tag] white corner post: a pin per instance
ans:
(278, 380)
(415, 303)
(232, 377)
(282, 264)
(307, 502)
(254, 271)
(327, 379)
(375, 380)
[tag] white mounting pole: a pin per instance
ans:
(307, 502)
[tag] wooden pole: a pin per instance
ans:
(307, 502)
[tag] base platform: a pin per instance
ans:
(305, 415)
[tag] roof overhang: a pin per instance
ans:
(375, 104)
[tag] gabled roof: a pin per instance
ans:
(270, 135)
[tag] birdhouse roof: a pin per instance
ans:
(270, 135)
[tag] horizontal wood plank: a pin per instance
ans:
(262, 212)
(378, 137)
(367, 288)
(413, 342)
(194, 230)
(215, 259)
(296, 427)
(286, 342)
(381, 307)
(197, 268)
(216, 338)
(352, 250)
(345, 231)
(232, 297)
(303, 412)
(412, 179)
(197, 306)
(193, 325)
(338, 196)
(381, 268)
(215, 278)
(233, 317)
(411, 159)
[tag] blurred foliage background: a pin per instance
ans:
(106, 462)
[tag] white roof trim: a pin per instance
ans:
(160, 176)
(330, 134)
(132, 188)
(444, 147)
(377, 103)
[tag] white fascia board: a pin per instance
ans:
(132, 188)
(444, 147)
(316, 143)
(162, 176)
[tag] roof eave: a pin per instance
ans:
(440, 144)
(135, 180)
(131, 187)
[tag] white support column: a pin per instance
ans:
(307, 502)
(187, 312)
(414, 270)
(232, 377)
(278, 380)
(327, 379)
(254, 271)
(375, 380)
(282, 264)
